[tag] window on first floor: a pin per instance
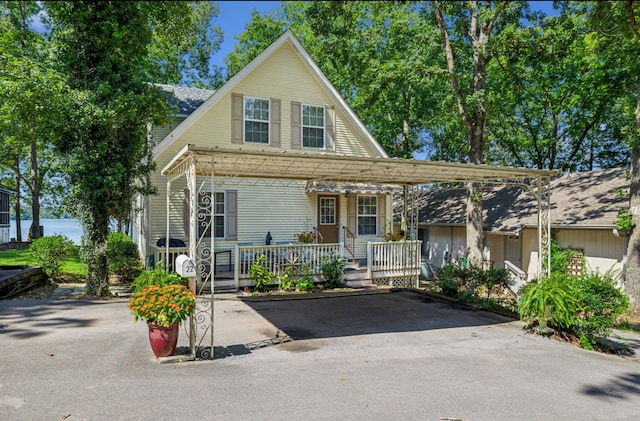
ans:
(367, 215)
(205, 223)
(4, 208)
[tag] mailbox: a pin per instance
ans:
(185, 266)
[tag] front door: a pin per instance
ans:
(328, 219)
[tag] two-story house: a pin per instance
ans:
(280, 102)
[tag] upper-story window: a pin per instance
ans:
(312, 126)
(256, 120)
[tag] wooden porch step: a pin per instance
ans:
(357, 278)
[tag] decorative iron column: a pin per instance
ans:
(544, 226)
(201, 215)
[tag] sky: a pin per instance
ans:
(233, 17)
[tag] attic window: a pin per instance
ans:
(256, 120)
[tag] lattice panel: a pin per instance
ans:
(397, 282)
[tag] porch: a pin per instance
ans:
(205, 169)
(390, 263)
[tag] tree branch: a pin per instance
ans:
(437, 8)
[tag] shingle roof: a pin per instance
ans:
(188, 98)
(584, 199)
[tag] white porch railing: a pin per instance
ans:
(279, 257)
(394, 263)
(517, 276)
(160, 254)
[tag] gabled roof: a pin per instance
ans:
(583, 199)
(330, 90)
(188, 99)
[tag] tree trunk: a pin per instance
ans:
(475, 228)
(96, 233)
(473, 119)
(34, 230)
(632, 271)
(17, 203)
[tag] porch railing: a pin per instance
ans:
(300, 258)
(517, 276)
(349, 241)
(394, 263)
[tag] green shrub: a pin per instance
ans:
(50, 252)
(332, 269)
(454, 279)
(305, 282)
(448, 286)
(492, 280)
(600, 304)
(260, 274)
(463, 281)
(157, 276)
(305, 285)
(551, 301)
(586, 306)
(285, 280)
(122, 255)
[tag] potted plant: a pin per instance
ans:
(163, 306)
(306, 237)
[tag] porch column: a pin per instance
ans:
(544, 226)
(167, 236)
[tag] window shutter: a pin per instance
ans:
(352, 216)
(382, 214)
(274, 114)
(186, 214)
(296, 125)
(330, 124)
(237, 117)
(231, 214)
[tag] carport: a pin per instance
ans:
(207, 167)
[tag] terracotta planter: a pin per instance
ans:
(163, 340)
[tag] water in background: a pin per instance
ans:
(68, 227)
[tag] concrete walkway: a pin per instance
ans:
(395, 355)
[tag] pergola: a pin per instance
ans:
(202, 167)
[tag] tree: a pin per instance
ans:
(554, 106)
(180, 51)
(28, 94)
(616, 28)
(467, 30)
(102, 48)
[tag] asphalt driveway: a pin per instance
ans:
(399, 355)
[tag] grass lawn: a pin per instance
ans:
(14, 257)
